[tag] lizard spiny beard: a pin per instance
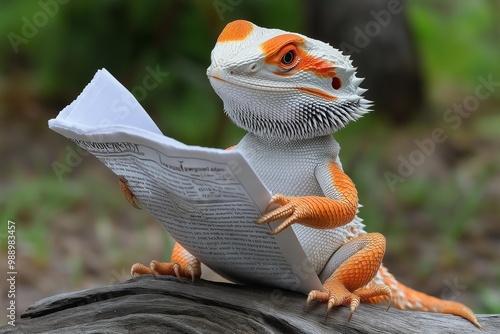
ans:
(310, 119)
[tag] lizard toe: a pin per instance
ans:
(139, 269)
(344, 299)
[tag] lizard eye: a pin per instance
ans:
(288, 58)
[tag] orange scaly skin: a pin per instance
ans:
(347, 286)
(315, 211)
(182, 264)
(291, 93)
(128, 194)
(406, 298)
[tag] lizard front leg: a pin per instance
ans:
(129, 195)
(356, 263)
(338, 208)
(182, 263)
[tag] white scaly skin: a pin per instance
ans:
(289, 130)
(291, 93)
(273, 106)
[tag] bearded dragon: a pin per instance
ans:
(291, 93)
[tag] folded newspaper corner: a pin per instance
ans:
(206, 198)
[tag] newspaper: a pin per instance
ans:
(206, 198)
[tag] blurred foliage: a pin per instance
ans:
(449, 206)
(127, 38)
(458, 40)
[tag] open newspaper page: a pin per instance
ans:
(207, 199)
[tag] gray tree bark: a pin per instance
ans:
(165, 305)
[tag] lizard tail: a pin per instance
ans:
(405, 298)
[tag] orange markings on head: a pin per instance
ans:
(275, 48)
(235, 31)
(318, 92)
(322, 68)
(275, 44)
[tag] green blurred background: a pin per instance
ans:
(441, 222)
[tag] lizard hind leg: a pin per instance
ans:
(355, 263)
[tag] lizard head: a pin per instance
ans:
(279, 84)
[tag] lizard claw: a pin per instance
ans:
(312, 211)
(292, 208)
(336, 294)
(139, 269)
(335, 299)
(165, 268)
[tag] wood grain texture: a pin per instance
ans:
(146, 305)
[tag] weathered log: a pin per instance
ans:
(165, 305)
